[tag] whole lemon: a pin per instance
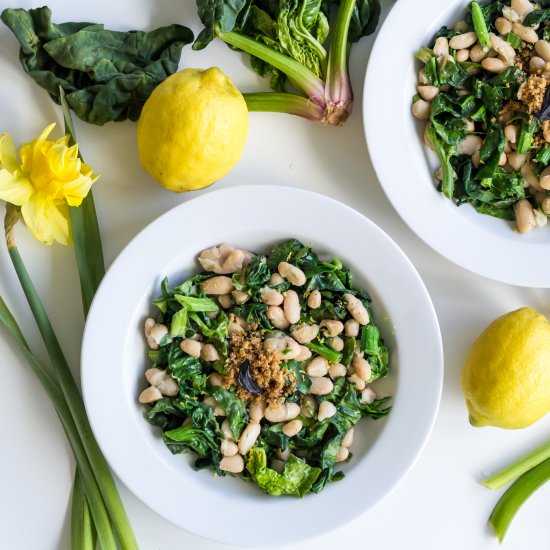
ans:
(506, 375)
(192, 129)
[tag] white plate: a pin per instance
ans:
(404, 166)
(114, 359)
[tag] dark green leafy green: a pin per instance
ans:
(234, 407)
(536, 17)
(105, 75)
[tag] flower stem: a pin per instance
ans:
(301, 76)
(512, 500)
(291, 104)
(518, 467)
(68, 386)
(83, 535)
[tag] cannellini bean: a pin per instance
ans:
(226, 431)
(292, 273)
(517, 160)
(233, 328)
(248, 437)
(209, 353)
(228, 448)
(351, 327)
(510, 14)
(305, 354)
(256, 412)
(224, 259)
(240, 297)
(292, 349)
(148, 325)
(277, 465)
(156, 334)
(283, 455)
(191, 347)
(318, 366)
(305, 333)
(287, 411)
(461, 26)
(477, 53)
(342, 454)
(326, 410)
(462, 55)
(337, 370)
(215, 380)
(540, 219)
(309, 406)
(461, 41)
(511, 132)
(357, 381)
(162, 381)
(503, 159)
(528, 173)
(367, 396)
(427, 92)
(476, 159)
(292, 428)
(536, 64)
(527, 34)
(271, 297)
(421, 109)
(502, 25)
(545, 205)
(314, 299)
(276, 343)
(502, 47)
(232, 464)
(217, 285)
(441, 47)
(226, 301)
(213, 404)
(277, 317)
(348, 439)
(150, 395)
(362, 367)
(357, 310)
(320, 385)
(291, 307)
(469, 145)
(525, 216)
(336, 343)
(240, 321)
(331, 327)
(542, 47)
(522, 8)
(494, 64)
(544, 179)
(276, 279)
(422, 78)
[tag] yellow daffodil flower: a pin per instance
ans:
(49, 179)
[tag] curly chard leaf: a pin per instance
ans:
(216, 13)
(106, 75)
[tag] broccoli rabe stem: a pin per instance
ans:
(444, 152)
(292, 104)
(480, 26)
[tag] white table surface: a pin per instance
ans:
(440, 505)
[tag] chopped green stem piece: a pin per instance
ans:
(518, 467)
(444, 152)
(512, 500)
(514, 40)
(543, 156)
(328, 353)
(291, 104)
(526, 134)
(424, 54)
(300, 75)
(480, 26)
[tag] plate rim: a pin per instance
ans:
(99, 306)
(511, 252)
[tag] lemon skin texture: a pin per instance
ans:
(192, 129)
(506, 375)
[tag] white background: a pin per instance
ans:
(439, 505)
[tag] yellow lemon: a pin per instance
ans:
(506, 375)
(192, 129)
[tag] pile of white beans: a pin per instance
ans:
(284, 312)
(466, 47)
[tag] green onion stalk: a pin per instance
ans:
(529, 472)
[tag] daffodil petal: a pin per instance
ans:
(47, 221)
(14, 188)
(29, 150)
(8, 155)
(75, 191)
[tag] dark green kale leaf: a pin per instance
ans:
(106, 75)
(302, 379)
(257, 273)
(235, 408)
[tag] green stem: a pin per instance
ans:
(480, 26)
(512, 500)
(424, 54)
(83, 536)
(338, 87)
(292, 104)
(518, 467)
(76, 406)
(100, 516)
(329, 354)
(301, 76)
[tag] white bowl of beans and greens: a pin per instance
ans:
(257, 369)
